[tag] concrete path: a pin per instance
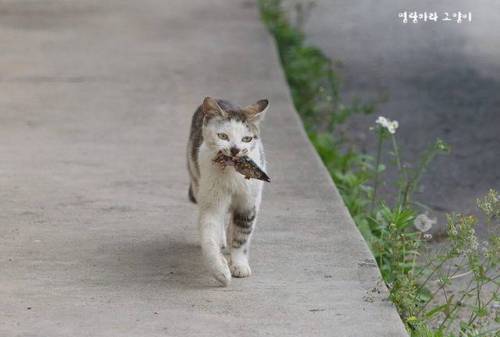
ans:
(97, 237)
(442, 80)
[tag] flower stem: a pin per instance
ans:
(401, 169)
(412, 184)
(377, 164)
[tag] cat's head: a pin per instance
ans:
(231, 129)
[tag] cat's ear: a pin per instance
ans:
(211, 107)
(255, 112)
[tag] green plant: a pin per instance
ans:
(469, 311)
(425, 294)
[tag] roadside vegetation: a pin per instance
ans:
(422, 287)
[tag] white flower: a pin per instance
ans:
(473, 244)
(423, 223)
(386, 123)
(427, 236)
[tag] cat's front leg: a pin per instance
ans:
(242, 227)
(210, 222)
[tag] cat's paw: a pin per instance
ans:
(222, 273)
(241, 269)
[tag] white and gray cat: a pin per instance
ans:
(228, 203)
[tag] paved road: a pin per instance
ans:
(97, 237)
(442, 80)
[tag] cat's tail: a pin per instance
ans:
(191, 194)
(214, 259)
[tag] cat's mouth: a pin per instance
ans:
(230, 156)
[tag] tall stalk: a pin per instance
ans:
(377, 168)
(401, 169)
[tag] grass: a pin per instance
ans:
(423, 292)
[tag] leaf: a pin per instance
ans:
(436, 310)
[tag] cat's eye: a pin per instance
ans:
(223, 136)
(246, 139)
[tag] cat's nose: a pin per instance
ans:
(234, 151)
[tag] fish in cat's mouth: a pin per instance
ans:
(242, 164)
(224, 160)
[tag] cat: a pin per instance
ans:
(228, 203)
